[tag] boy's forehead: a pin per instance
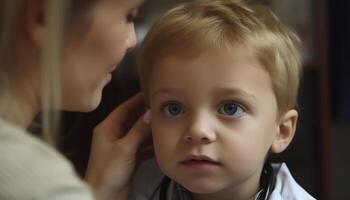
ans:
(217, 68)
(210, 54)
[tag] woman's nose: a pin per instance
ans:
(131, 40)
(199, 131)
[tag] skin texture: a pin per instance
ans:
(220, 106)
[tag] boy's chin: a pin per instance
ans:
(202, 188)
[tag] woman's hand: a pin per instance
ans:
(114, 150)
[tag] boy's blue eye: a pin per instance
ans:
(173, 109)
(231, 110)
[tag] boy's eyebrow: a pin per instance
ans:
(220, 91)
(235, 91)
(163, 92)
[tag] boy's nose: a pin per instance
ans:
(199, 131)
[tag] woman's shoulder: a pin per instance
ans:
(18, 147)
(31, 169)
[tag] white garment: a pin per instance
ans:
(32, 170)
(148, 178)
(286, 188)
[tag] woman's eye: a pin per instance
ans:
(173, 109)
(131, 17)
(231, 110)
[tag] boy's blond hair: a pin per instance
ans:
(192, 28)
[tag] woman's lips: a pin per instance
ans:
(108, 78)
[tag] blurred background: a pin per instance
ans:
(317, 156)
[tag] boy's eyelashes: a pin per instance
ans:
(227, 109)
(173, 109)
(231, 109)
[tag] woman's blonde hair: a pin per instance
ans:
(192, 28)
(56, 14)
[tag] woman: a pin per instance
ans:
(59, 55)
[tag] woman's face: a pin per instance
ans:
(92, 49)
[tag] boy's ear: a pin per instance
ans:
(285, 131)
(34, 20)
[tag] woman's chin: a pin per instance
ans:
(89, 109)
(91, 106)
(84, 105)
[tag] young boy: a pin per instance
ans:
(221, 79)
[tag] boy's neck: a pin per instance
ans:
(245, 191)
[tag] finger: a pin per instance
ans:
(144, 154)
(119, 119)
(128, 108)
(146, 150)
(138, 134)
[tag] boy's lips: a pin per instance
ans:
(196, 161)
